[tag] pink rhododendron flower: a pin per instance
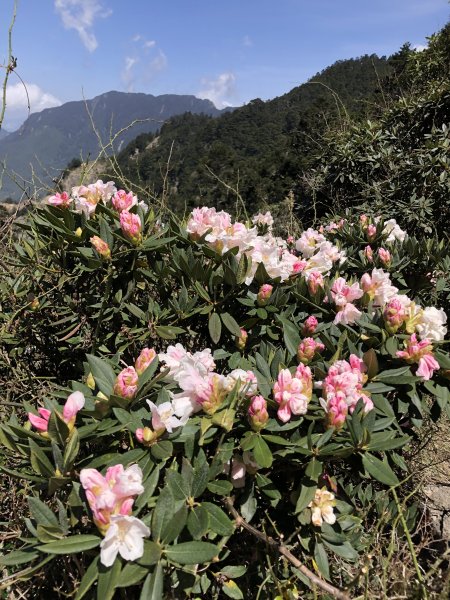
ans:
(101, 246)
(257, 413)
(308, 242)
(126, 383)
(112, 494)
(60, 199)
(145, 358)
(307, 349)
(247, 379)
(263, 220)
(363, 219)
(293, 392)
(310, 325)
(264, 294)
(212, 395)
(123, 201)
(337, 410)
(378, 287)
(125, 536)
(74, 403)
(88, 196)
(384, 256)
(343, 296)
(163, 417)
(131, 227)
(422, 353)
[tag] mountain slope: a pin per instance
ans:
(261, 148)
(49, 139)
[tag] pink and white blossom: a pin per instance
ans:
(125, 536)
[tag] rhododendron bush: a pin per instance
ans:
(225, 399)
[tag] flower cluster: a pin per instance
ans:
(420, 352)
(293, 392)
(111, 499)
(342, 388)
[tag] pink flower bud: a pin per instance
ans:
(101, 246)
(126, 383)
(368, 253)
(307, 349)
(290, 240)
(371, 232)
(40, 423)
(385, 256)
(123, 201)
(241, 341)
(310, 325)
(363, 219)
(131, 227)
(144, 359)
(337, 410)
(264, 294)
(257, 413)
(315, 280)
(394, 315)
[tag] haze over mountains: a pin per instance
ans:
(49, 139)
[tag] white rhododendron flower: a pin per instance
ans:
(322, 508)
(309, 241)
(247, 380)
(163, 416)
(393, 231)
(125, 536)
(431, 324)
(263, 219)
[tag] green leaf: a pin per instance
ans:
(88, 580)
(153, 585)
(262, 452)
(18, 557)
(221, 487)
(291, 335)
(307, 493)
(152, 553)
(321, 558)
(231, 324)
(379, 469)
(396, 376)
(131, 574)
(71, 450)
(198, 522)
(108, 580)
(215, 327)
(218, 520)
(169, 332)
(232, 590)
(41, 513)
(103, 374)
(70, 545)
(191, 553)
(58, 430)
(162, 513)
(39, 460)
(175, 525)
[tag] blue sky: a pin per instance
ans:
(230, 52)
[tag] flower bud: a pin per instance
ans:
(241, 341)
(384, 256)
(126, 383)
(368, 253)
(310, 325)
(101, 247)
(34, 304)
(394, 315)
(131, 227)
(147, 436)
(264, 294)
(315, 280)
(123, 201)
(371, 232)
(337, 410)
(307, 349)
(78, 232)
(257, 413)
(144, 359)
(90, 381)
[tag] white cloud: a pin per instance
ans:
(128, 75)
(81, 16)
(149, 44)
(17, 103)
(158, 63)
(219, 90)
(420, 47)
(136, 37)
(247, 41)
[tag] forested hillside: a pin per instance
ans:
(259, 150)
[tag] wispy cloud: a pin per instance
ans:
(247, 41)
(81, 16)
(143, 65)
(219, 90)
(17, 102)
